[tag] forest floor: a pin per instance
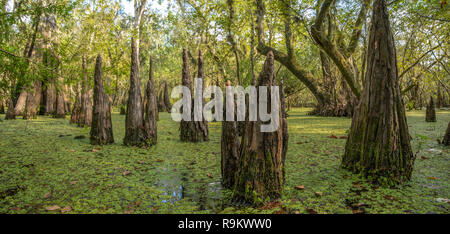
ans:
(48, 166)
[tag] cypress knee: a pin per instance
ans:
(10, 113)
(229, 147)
(151, 110)
(378, 145)
(430, 112)
(101, 127)
(260, 173)
(134, 123)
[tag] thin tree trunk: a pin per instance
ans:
(101, 128)
(167, 103)
(134, 124)
(378, 145)
(229, 147)
(151, 113)
(203, 124)
(85, 118)
(75, 117)
(446, 140)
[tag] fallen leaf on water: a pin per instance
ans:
(432, 178)
(424, 158)
(66, 209)
(51, 208)
(129, 211)
(299, 187)
(48, 195)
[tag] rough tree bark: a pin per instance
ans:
(229, 147)
(378, 145)
(151, 110)
(446, 140)
(167, 104)
(430, 112)
(60, 105)
(203, 124)
(85, 118)
(260, 173)
(134, 123)
(161, 105)
(439, 100)
(101, 127)
(284, 123)
(33, 101)
(75, 116)
(188, 129)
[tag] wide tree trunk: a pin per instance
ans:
(260, 173)
(21, 102)
(135, 134)
(167, 103)
(151, 110)
(85, 118)
(378, 146)
(33, 101)
(188, 129)
(430, 112)
(10, 113)
(446, 140)
(60, 105)
(101, 127)
(50, 98)
(229, 147)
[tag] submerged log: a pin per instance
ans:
(101, 127)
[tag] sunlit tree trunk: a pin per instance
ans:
(33, 101)
(85, 117)
(260, 173)
(151, 110)
(134, 123)
(378, 145)
(101, 127)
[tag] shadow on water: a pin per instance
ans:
(176, 185)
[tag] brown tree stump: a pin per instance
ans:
(101, 127)
(151, 110)
(430, 112)
(134, 123)
(260, 173)
(378, 146)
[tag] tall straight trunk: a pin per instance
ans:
(284, 123)
(167, 103)
(229, 147)
(378, 146)
(260, 173)
(188, 129)
(439, 100)
(151, 110)
(75, 117)
(161, 104)
(202, 125)
(134, 124)
(85, 118)
(101, 127)
(33, 101)
(430, 112)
